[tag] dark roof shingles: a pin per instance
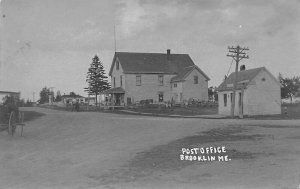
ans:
(242, 76)
(153, 62)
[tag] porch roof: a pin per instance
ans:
(116, 90)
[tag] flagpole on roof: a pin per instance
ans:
(115, 40)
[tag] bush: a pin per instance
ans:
(10, 104)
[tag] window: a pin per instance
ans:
(225, 99)
(128, 100)
(138, 80)
(114, 82)
(175, 85)
(161, 80)
(195, 79)
(240, 98)
(231, 97)
(118, 65)
(121, 80)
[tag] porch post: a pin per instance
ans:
(241, 115)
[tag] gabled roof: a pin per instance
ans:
(245, 76)
(186, 71)
(140, 63)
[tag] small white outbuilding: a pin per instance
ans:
(258, 93)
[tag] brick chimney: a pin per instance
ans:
(168, 54)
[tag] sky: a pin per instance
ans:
(52, 42)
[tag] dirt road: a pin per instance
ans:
(102, 150)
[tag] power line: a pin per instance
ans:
(229, 68)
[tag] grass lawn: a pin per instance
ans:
(185, 111)
(32, 115)
(293, 112)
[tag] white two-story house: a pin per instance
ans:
(159, 77)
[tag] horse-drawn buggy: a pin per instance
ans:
(15, 119)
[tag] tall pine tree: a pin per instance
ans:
(96, 78)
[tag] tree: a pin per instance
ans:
(58, 96)
(96, 78)
(290, 86)
(72, 94)
(10, 104)
(44, 95)
(212, 94)
(28, 103)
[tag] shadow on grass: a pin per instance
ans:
(166, 158)
(32, 115)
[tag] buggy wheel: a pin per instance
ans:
(12, 124)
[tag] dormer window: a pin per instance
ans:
(117, 65)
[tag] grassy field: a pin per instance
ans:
(293, 112)
(179, 110)
(31, 115)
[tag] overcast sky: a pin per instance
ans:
(51, 42)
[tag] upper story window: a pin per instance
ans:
(121, 80)
(117, 65)
(195, 79)
(175, 85)
(161, 80)
(138, 80)
(114, 81)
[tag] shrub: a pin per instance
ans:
(10, 104)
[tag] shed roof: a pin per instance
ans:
(243, 76)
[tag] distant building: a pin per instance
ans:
(90, 100)
(68, 99)
(159, 77)
(8, 93)
(258, 93)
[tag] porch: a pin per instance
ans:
(114, 97)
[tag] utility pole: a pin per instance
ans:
(237, 53)
(50, 95)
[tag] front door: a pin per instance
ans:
(128, 100)
(160, 97)
(117, 99)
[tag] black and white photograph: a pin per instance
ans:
(146, 94)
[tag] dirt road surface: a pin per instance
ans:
(102, 150)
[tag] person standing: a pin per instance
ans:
(77, 106)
